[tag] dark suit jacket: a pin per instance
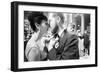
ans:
(68, 48)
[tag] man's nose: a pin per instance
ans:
(48, 25)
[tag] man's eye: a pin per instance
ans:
(46, 23)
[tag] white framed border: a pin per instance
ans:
(22, 64)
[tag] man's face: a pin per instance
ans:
(70, 28)
(52, 21)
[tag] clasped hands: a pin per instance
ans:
(49, 42)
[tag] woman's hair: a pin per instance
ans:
(36, 17)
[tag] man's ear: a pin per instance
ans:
(58, 19)
(37, 25)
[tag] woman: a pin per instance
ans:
(35, 46)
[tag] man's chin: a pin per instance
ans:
(55, 29)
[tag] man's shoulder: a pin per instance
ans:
(69, 36)
(74, 36)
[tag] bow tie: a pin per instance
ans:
(56, 35)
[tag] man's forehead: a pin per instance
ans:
(51, 15)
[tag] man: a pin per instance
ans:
(65, 46)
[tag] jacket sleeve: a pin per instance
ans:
(70, 50)
(52, 54)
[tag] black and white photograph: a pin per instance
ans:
(56, 36)
(53, 36)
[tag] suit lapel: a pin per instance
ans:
(63, 38)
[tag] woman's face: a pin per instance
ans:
(44, 27)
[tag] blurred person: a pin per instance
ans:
(80, 43)
(71, 28)
(26, 29)
(87, 40)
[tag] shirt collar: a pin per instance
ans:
(60, 33)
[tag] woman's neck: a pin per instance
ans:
(39, 35)
(60, 29)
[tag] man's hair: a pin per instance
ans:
(36, 17)
(61, 17)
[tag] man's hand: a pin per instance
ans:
(52, 43)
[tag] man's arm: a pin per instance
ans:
(53, 54)
(70, 50)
